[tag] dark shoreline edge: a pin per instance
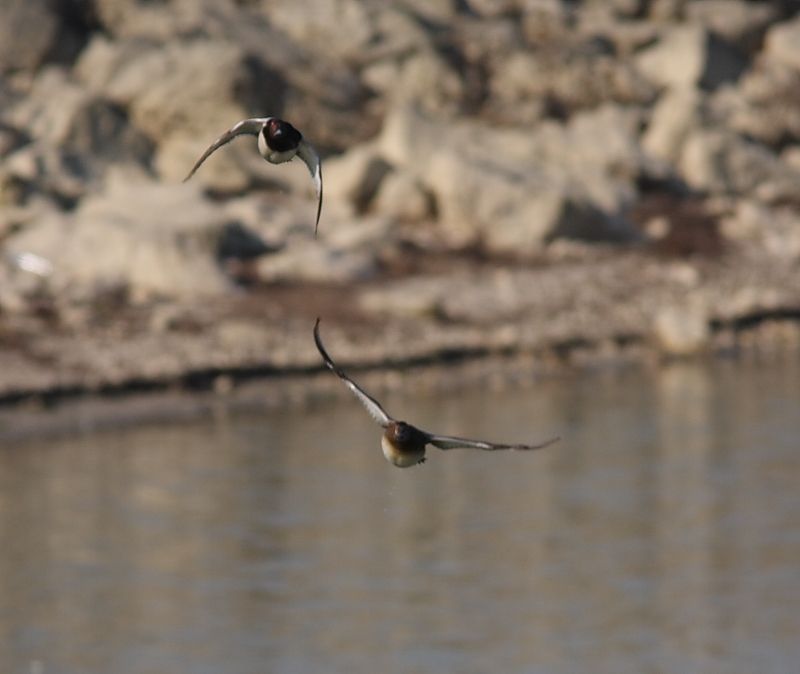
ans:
(200, 396)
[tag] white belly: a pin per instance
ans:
(270, 155)
(401, 460)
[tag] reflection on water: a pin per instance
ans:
(661, 535)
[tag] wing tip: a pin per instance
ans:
(542, 445)
(321, 348)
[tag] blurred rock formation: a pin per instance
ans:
(529, 133)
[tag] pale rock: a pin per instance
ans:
(765, 104)
(355, 176)
(682, 330)
(422, 78)
(688, 55)
(28, 32)
(345, 252)
(225, 173)
(344, 27)
(187, 87)
(739, 22)
(782, 44)
(59, 112)
(105, 67)
(666, 10)
(748, 219)
(305, 263)
(719, 161)
(74, 136)
(488, 9)
(440, 11)
(401, 196)
(782, 236)
(159, 21)
(791, 157)
(516, 190)
(408, 298)
(183, 96)
(674, 116)
(623, 8)
(155, 240)
(409, 138)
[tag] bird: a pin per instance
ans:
(404, 445)
(278, 142)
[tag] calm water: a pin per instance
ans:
(661, 535)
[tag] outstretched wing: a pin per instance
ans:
(309, 155)
(246, 126)
(373, 406)
(449, 442)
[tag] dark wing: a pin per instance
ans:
(246, 126)
(449, 442)
(309, 155)
(373, 406)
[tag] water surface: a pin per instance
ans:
(661, 535)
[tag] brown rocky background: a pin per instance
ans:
(559, 180)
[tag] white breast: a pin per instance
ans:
(401, 460)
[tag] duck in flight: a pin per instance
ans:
(278, 142)
(403, 444)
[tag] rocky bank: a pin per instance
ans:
(559, 180)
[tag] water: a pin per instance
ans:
(661, 535)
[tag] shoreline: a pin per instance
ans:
(230, 394)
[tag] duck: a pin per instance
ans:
(278, 143)
(403, 444)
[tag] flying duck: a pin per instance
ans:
(278, 142)
(403, 444)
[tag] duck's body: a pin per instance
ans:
(404, 445)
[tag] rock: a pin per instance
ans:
(75, 135)
(402, 197)
(618, 8)
(677, 112)
(782, 44)
(409, 138)
(738, 22)
(688, 55)
(183, 97)
(720, 161)
(61, 113)
(438, 11)
(345, 27)
(682, 330)
(666, 10)
(355, 176)
(515, 191)
(349, 254)
(28, 33)
(407, 298)
(561, 79)
(151, 239)
(424, 78)
(765, 106)
(791, 157)
(162, 22)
